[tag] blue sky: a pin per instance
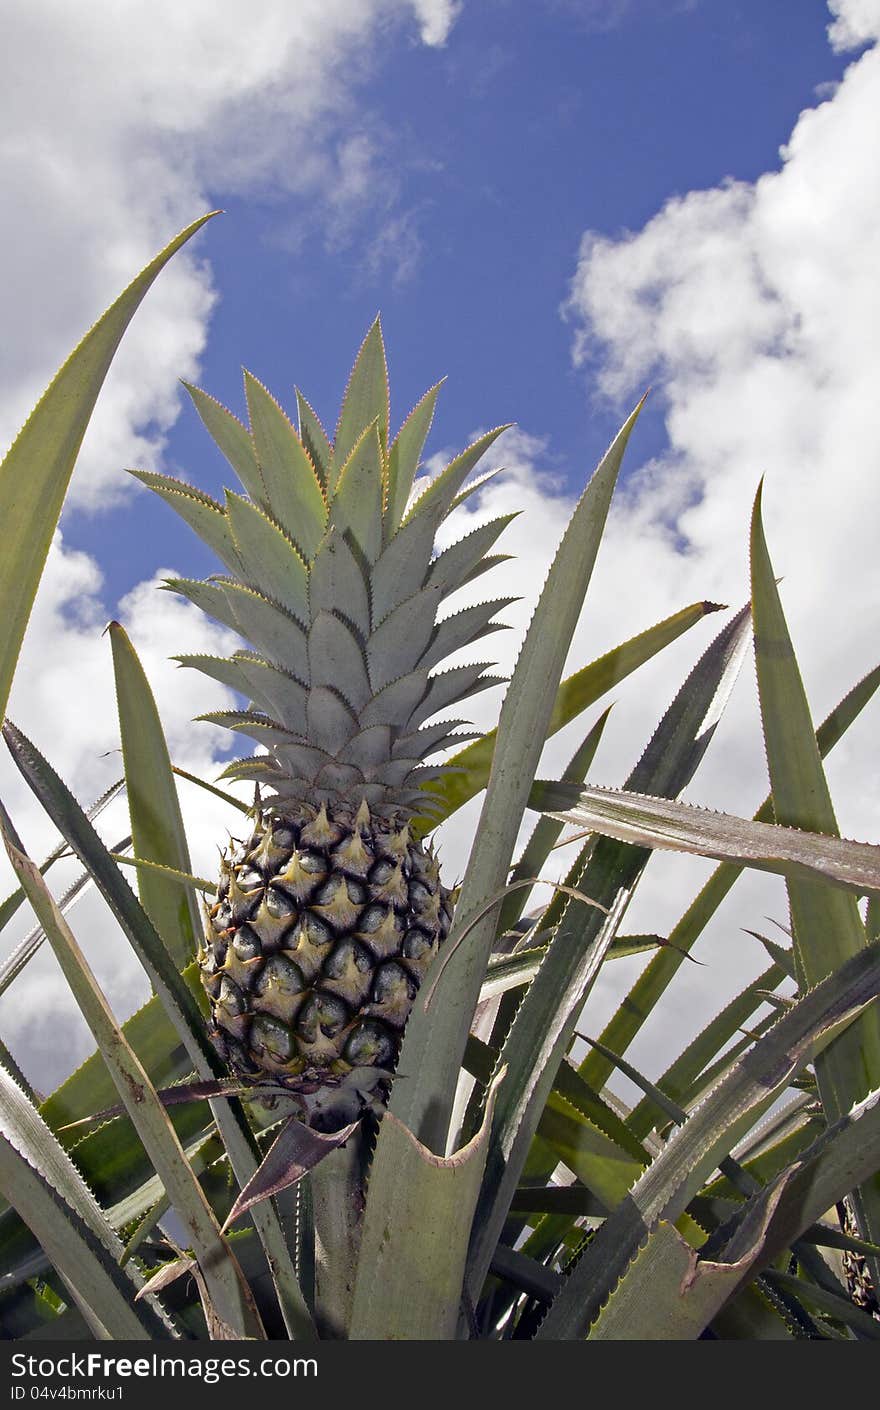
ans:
(554, 206)
(491, 156)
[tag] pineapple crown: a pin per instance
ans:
(333, 583)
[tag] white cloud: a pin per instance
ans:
(122, 122)
(436, 18)
(753, 309)
(855, 22)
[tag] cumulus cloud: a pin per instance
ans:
(121, 122)
(63, 698)
(753, 309)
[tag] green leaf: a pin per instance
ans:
(693, 1289)
(688, 1066)
(460, 563)
(293, 491)
(36, 471)
(434, 1042)
(156, 823)
(652, 982)
(177, 1000)
(357, 502)
(693, 1150)
(410, 1271)
(43, 1184)
(233, 439)
(271, 561)
(842, 1309)
(200, 511)
(438, 498)
(226, 1284)
(646, 821)
(826, 924)
(547, 831)
(545, 1022)
(365, 400)
(602, 1165)
(314, 438)
(404, 456)
(580, 690)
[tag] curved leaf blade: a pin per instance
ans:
(36, 471)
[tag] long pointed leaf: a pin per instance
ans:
(545, 1021)
(156, 822)
(576, 693)
(410, 1272)
(435, 1041)
(652, 982)
(40, 1179)
(228, 1290)
(36, 471)
(647, 821)
(176, 998)
(826, 924)
(693, 1151)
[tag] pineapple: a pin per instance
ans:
(330, 911)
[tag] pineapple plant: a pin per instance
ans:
(561, 1211)
(329, 913)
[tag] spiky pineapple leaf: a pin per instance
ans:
(356, 506)
(603, 1165)
(575, 694)
(687, 1067)
(435, 1041)
(400, 570)
(314, 438)
(262, 621)
(825, 1302)
(545, 1022)
(37, 468)
(547, 830)
(228, 1289)
(439, 498)
(686, 1298)
(293, 491)
(177, 1000)
(44, 1185)
(157, 829)
(225, 669)
(199, 510)
(410, 1271)
(296, 1150)
(283, 694)
(338, 581)
(458, 563)
(270, 559)
(233, 439)
(365, 400)
(404, 457)
(461, 628)
(826, 925)
(645, 993)
(450, 687)
(336, 659)
(693, 1150)
(647, 821)
(405, 638)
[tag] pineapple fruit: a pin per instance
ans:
(330, 911)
